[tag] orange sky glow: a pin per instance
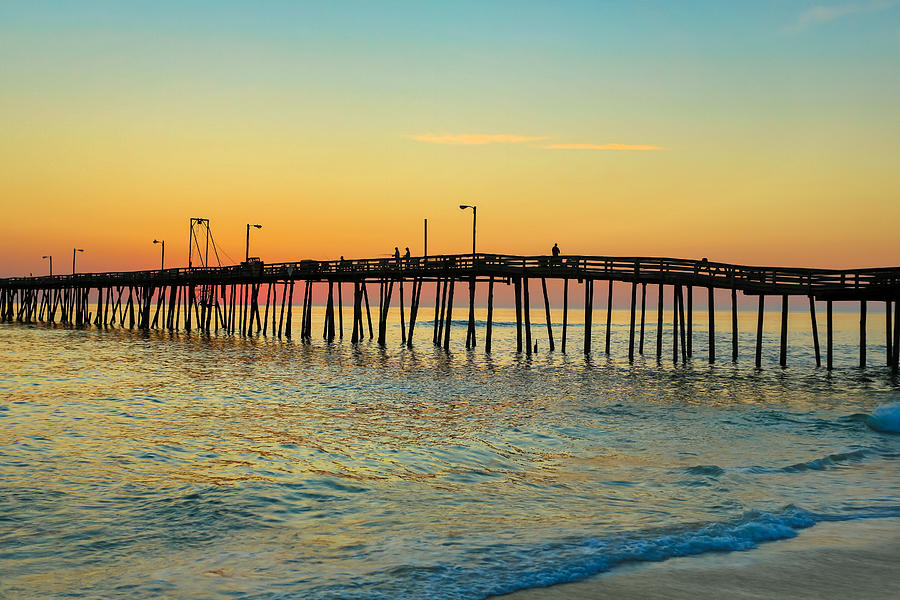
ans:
(774, 142)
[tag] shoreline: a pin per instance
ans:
(831, 560)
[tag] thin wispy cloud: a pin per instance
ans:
(602, 147)
(480, 139)
(820, 14)
(475, 139)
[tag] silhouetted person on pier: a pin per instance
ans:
(555, 250)
(407, 253)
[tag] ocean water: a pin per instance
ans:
(160, 465)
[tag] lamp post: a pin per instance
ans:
(247, 250)
(74, 250)
(162, 259)
(474, 216)
(51, 263)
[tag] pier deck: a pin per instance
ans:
(228, 297)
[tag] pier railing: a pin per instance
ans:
(837, 283)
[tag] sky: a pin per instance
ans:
(755, 132)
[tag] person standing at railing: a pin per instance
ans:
(555, 252)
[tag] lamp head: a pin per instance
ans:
(465, 206)
(157, 242)
(258, 226)
(47, 256)
(79, 249)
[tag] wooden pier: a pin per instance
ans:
(257, 299)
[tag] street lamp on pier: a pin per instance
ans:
(247, 248)
(51, 263)
(474, 217)
(74, 250)
(162, 258)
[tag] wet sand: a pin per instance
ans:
(839, 560)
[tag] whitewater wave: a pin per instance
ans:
(595, 556)
(885, 418)
(508, 568)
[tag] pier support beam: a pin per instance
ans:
(340, 310)
(449, 316)
(280, 316)
(444, 291)
(387, 290)
(413, 309)
(588, 313)
(631, 327)
(526, 306)
(782, 355)
(643, 316)
(365, 291)
(304, 311)
(675, 324)
(131, 319)
(829, 350)
(308, 325)
(470, 331)
(680, 299)
(862, 334)
(712, 324)
(815, 330)
(489, 326)
(888, 333)
(98, 319)
(547, 314)
(609, 314)
(896, 343)
(690, 320)
(402, 314)
(659, 322)
(734, 326)
(759, 330)
(565, 313)
(438, 311)
(328, 326)
(357, 300)
(287, 330)
(256, 288)
(269, 292)
(517, 290)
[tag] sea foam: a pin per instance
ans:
(552, 564)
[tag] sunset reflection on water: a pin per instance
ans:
(186, 465)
